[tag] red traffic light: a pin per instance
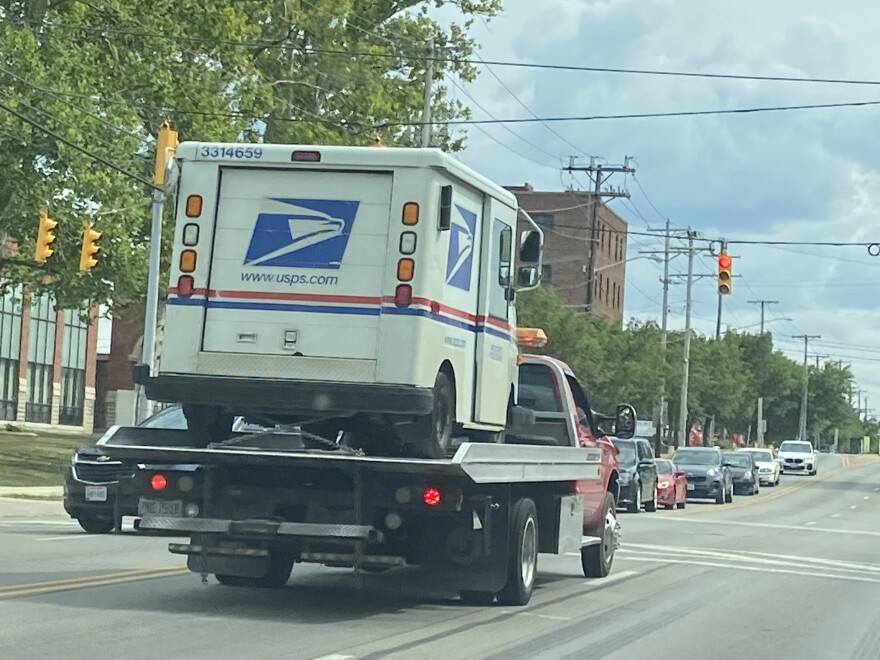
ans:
(724, 261)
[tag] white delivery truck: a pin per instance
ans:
(364, 294)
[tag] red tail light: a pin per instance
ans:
(158, 482)
(431, 496)
(403, 295)
(185, 285)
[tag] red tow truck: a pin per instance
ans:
(258, 503)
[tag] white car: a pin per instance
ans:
(798, 456)
(768, 467)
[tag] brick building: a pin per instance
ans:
(565, 219)
(47, 364)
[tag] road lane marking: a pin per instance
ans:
(812, 522)
(800, 528)
(36, 588)
(836, 515)
(853, 507)
(866, 497)
(777, 493)
(335, 657)
(758, 557)
(757, 569)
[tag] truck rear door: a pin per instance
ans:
(297, 263)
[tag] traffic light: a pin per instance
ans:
(724, 277)
(166, 143)
(90, 247)
(45, 237)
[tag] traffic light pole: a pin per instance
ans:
(718, 318)
(683, 405)
(166, 142)
(151, 318)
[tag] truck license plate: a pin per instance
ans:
(147, 507)
(691, 486)
(96, 493)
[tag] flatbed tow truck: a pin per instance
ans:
(256, 504)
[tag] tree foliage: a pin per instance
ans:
(726, 377)
(95, 81)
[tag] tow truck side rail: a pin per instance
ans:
(482, 463)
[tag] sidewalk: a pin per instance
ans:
(35, 509)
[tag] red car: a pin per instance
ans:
(671, 484)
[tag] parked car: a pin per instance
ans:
(637, 474)
(671, 484)
(707, 475)
(95, 492)
(769, 469)
(798, 456)
(744, 472)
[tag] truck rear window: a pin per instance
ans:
(537, 389)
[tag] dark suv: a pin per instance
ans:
(708, 474)
(638, 474)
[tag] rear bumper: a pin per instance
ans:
(299, 396)
(705, 489)
(76, 505)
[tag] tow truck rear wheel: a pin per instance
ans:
(523, 560)
(477, 597)
(96, 525)
(596, 559)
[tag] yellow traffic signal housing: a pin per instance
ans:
(725, 264)
(166, 143)
(45, 237)
(90, 247)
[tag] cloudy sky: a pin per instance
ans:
(811, 175)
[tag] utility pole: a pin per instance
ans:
(166, 143)
(598, 174)
(761, 421)
(802, 424)
(428, 96)
(683, 407)
(664, 313)
(718, 319)
(763, 303)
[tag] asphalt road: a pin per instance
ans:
(791, 573)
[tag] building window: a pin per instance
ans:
(73, 369)
(600, 286)
(546, 220)
(602, 235)
(546, 273)
(10, 351)
(41, 359)
(618, 296)
(607, 282)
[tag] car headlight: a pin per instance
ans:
(663, 484)
(748, 474)
(624, 478)
(712, 472)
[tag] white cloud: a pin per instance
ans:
(808, 175)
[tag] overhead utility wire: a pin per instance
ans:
(256, 43)
(74, 146)
(644, 115)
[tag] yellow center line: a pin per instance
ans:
(34, 588)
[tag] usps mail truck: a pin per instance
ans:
(363, 294)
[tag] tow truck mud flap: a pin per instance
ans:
(469, 550)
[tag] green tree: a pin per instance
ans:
(103, 76)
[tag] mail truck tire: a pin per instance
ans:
(442, 418)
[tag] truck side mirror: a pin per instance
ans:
(528, 277)
(530, 250)
(625, 422)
